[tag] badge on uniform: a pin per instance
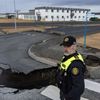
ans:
(66, 39)
(75, 71)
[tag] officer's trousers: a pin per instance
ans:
(63, 98)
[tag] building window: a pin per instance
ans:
(57, 10)
(62, 16)
(62, 10)
(83, 17)
(51, 10)
(79, 11)
(83, 11)
(86, 12)
(52, 17)
(75, 11)
(75, 17)
(67, 11)
(46, 10)
(46, 16)
(67, 16)
(57, 16)
(79, 16)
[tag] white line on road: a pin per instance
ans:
(52, 92)
(94, 86)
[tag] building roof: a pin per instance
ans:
(62, 8)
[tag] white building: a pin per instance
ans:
(60, 14)
(26, 16)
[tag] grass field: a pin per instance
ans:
(91, 40)
(22, 28)
(25, 28)
(4, 20)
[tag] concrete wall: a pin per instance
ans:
(2, 16)
(27, 17)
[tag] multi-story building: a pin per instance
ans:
(60, 14)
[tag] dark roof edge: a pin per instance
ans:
(62, 8)
(96, 13)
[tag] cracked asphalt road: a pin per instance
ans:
(13, 51)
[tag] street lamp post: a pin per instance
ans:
(15, 15)
(85, 30)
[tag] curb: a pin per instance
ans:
(53, 62)
(44, 60)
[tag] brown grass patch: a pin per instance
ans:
(91, 40)
(25, 28)
(13, 20)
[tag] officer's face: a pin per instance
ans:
(70, 49)
(67, 49)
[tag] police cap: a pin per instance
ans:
(68, 41)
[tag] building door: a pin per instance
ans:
(38, 17)
(71, 14)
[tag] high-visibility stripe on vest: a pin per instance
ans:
(64, 65)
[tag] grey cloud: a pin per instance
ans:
(8, 5)
(78, 2)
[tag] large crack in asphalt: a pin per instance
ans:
(37, 78)
(34, 79)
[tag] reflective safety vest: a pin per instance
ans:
(64, 65)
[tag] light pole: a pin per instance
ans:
(15, 15)
(85, 29)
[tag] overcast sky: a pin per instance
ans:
(25, 5)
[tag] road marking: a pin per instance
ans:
(94, 86)
(52, 92)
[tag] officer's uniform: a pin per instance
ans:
(70, 76)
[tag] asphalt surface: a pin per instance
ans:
(51, 50)
(69, 28)
(13, 52)
(76, 30)
(45, 23)
(14, 94)
(14, 48)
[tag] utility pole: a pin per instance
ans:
(15, 15)
(85, 30)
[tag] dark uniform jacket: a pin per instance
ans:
(71, 82)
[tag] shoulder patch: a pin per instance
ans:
(75, 71)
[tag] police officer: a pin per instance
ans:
(70, 73)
